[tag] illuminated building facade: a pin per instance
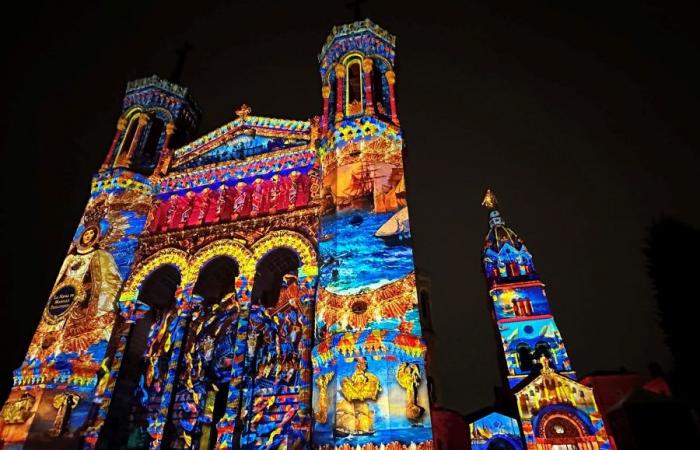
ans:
(556, 412)
(234, 291)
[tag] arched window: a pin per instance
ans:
(128, 137)
(148, 157)
(542, 349)
(269, 275)
(525, 357)
(353, 90)
(381, 106)
(500, 443)
(216, 280)
(126, 421)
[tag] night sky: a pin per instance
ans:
(582, 119)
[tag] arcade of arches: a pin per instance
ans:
(203, 315)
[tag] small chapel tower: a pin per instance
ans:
(554, 409)
(520, 307)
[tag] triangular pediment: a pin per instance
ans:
(542, 378)
(240, 139)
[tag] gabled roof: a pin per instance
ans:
(546, 373)
(294, 132)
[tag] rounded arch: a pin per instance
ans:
(352, 55)
(354, 84)
(159, 287)
(270, 273)
(291, 240)
(169, 256)
(132, 111)
(503, 442)
(525, 356)
(563, 415)
(233, 249)
(163, 113)
(216, 279)
(131, 116)
(382, 59)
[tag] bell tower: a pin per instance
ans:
(555, 410)
(370, 381)
(157, 116)
(59, 389)
(520, 307)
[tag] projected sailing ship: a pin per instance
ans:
(360, 192)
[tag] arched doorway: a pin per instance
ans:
(205, 373)
(500, 443)
(270, 274)
(126, 423)
(278, 335)
(216, 279)
(563, 429)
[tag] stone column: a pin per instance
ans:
(391, 79)
(325, 93)
(227, 425)
(156, 424)
(143, 121)
(165, 152)
(121, 126)
(340, 92)
(367, 69)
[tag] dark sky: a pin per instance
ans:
(583, 119)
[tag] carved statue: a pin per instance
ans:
(408, 376)
(19, 410)
(322, 383)
(353, 415)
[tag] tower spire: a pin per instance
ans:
(356, 9)
(490, 202)
(176, 75)
(534, 358)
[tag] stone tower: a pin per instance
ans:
(370, 382)
(555, 410)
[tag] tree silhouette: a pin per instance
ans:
(673, 253)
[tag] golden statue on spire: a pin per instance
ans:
(489, 200)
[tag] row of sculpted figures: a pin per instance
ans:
(221, 361)
(231, 202)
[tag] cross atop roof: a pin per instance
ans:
(356, 10)
(243, 112)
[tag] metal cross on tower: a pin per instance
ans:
(176, 76)
(356, 10)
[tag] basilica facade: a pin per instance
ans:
(254, 287)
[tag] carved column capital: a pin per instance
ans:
(121, 123)
(367, 65)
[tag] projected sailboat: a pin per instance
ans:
(360, 192)
(396, 230)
